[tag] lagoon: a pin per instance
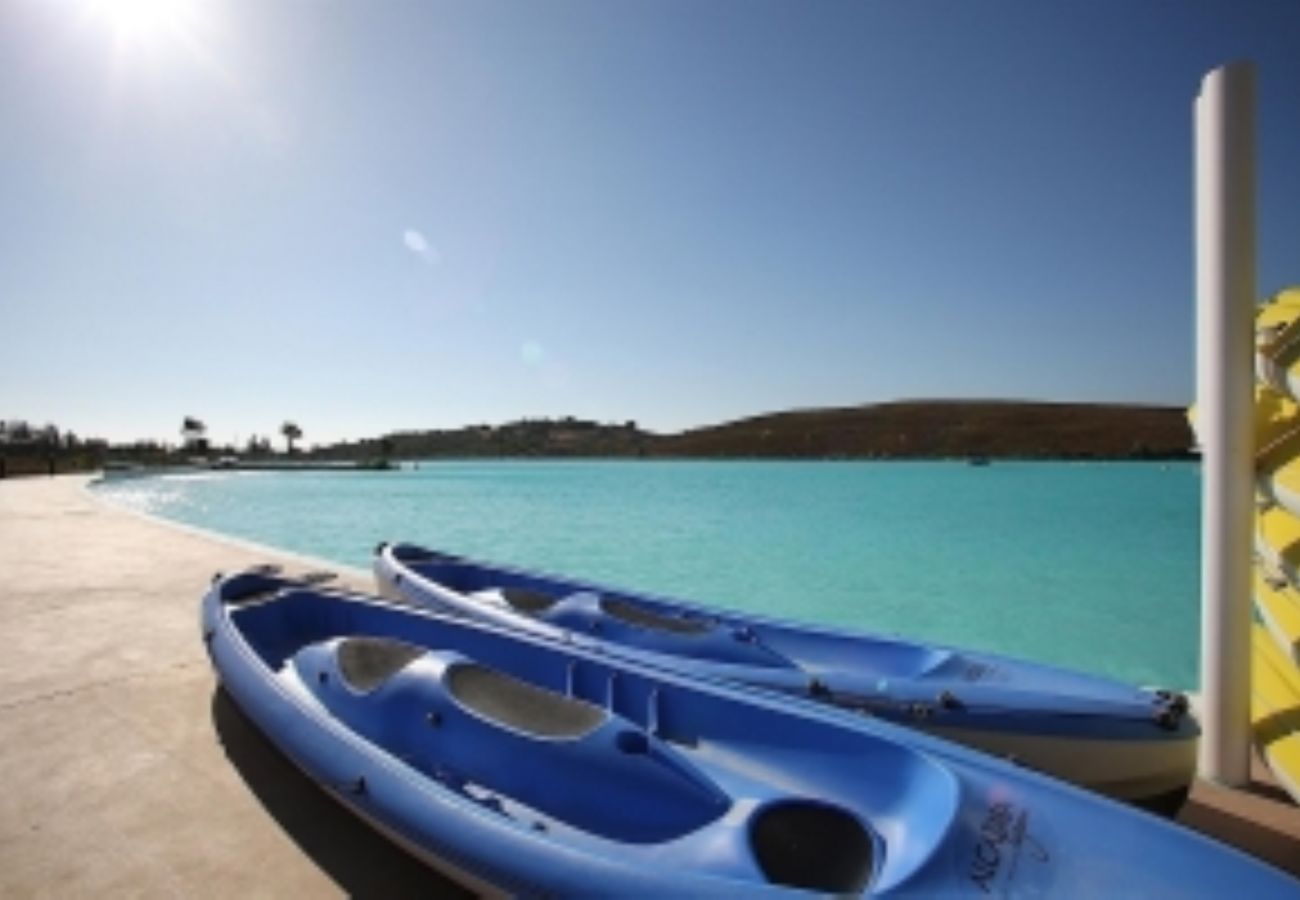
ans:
(1094, 566)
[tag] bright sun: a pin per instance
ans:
(146, 20)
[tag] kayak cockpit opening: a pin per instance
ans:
(508, 701)
(812, 845)
(367, 662)
(413, 555)
(526, 600)
(643, 617)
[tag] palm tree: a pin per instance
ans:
(194, 432)
(291, 433)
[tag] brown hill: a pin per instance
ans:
(945, 428)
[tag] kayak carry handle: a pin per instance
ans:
(318, 577)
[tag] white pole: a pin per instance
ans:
(1225, 310)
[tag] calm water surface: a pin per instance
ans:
(1089, 565)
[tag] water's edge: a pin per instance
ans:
(91, 487)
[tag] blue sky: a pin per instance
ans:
(374, 216)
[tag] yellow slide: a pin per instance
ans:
(1277, 342)
(1278, 605)
(1279, 312)
(1275, 638)
(1277, 416)
(1277, 539)
(1277, 447)
(1275, 710)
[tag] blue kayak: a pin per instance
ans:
(1134, 744)
(532, 768)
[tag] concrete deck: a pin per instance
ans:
(127, 772)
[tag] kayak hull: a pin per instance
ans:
(1133, 744)
(618, 779)
(1146, 773)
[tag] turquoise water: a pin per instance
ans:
(1092, 566)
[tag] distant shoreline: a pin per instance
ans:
(976, 431)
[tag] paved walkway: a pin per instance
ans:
(126, 772)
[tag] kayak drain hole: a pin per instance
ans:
(632, 742)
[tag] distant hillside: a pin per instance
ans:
(923, 429)
(946, 428)
(531, 437)
(914, 429)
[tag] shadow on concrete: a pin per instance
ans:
(1265, 791)
(359, 860)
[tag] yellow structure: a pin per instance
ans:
(1275, 641)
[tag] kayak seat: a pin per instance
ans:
(812, 845)
(365, 662)
(527, 601)
(635, 614)
(508, 701)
